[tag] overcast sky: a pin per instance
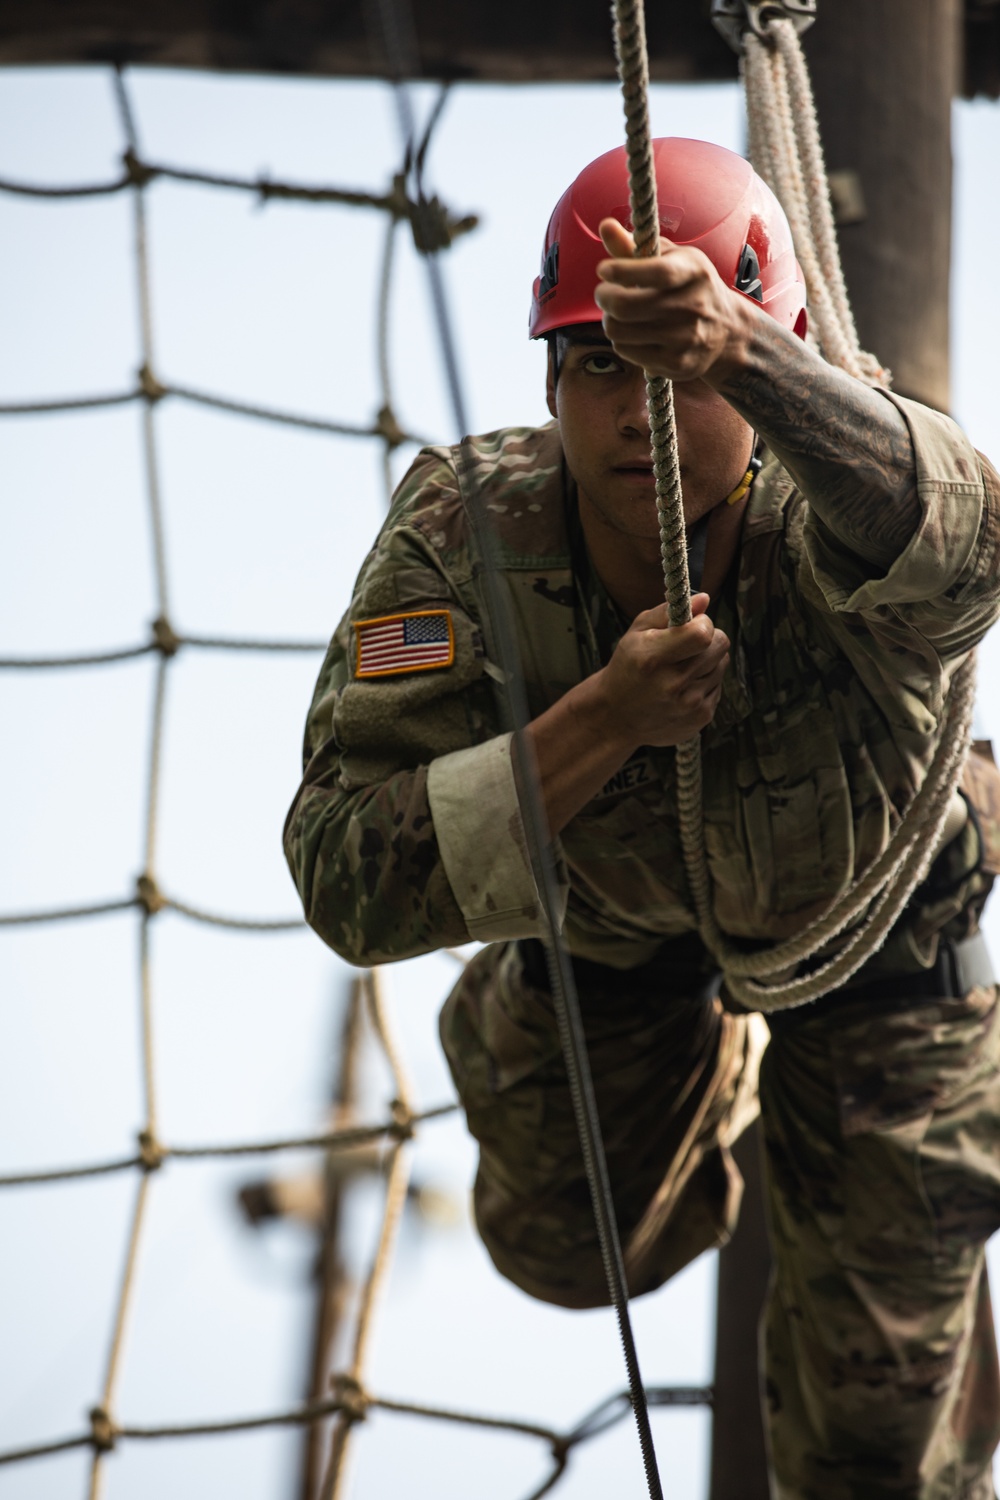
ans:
(265, 529)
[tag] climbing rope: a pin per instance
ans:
(785, 146)
(633, 71)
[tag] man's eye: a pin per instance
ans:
(600, 364)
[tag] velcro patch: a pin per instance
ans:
(393, 644)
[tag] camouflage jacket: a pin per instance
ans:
(405, 834)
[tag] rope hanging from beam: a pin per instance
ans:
(784, 133)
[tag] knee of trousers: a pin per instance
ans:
(674, 1089)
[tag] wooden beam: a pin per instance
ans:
(884, 74)
(517, 41)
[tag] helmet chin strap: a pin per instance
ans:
(743, 487)
(697, 535)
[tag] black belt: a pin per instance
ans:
(683, 971)
(958, 968)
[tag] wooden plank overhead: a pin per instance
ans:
(509, 41)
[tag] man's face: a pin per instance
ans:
(600, 403)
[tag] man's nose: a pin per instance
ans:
(633, 414)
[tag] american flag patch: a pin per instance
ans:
(404, 643)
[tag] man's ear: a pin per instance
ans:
(550, 379)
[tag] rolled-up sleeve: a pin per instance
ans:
(405, 834)
(480, 834)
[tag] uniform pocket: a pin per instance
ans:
(894, 1068)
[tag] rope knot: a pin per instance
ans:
(431, 225)
(150, 386)
(151, 1153)
(353, 1397)
(102, 1430)
(402, 1128)
(165, 638)
(138, 173)
(388, 428)
(398, 201)
(149, 895)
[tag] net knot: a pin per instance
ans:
(149, 895)
(387, 428)
(137, 172)
(151, 1153)
(398, 201)
(354, 1399)
(165, 638)
(431, 225)
(149, 385)
(434, 226)
(102, 1430)
(402, 1127)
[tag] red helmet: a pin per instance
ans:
(708, 197)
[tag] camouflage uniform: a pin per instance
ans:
(884, 1174)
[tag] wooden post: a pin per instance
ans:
(330, 1284)
(739, 1461)
(884, 74)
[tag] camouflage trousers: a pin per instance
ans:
(882, 1131)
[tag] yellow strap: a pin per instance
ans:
(742, 488)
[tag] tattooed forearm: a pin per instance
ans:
(847, 447)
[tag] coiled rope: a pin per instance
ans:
(779, 98)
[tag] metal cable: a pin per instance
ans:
(395, 26)
(561, 978)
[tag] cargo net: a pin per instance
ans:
(341, 1400)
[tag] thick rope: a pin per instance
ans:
(392, 1213)
(151, 389)
(400, 1127)
(139, 172)
(785, 148)
(561, 1444)
(784, 140)
(633, 70)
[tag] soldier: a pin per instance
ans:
(838, 588)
